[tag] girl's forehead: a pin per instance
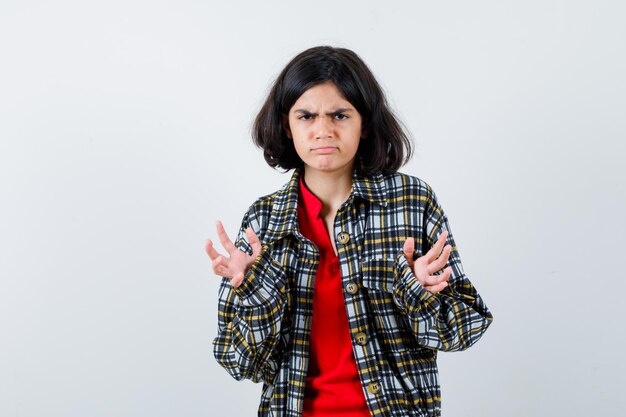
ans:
(327, 94)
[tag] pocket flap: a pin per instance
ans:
(378, 274)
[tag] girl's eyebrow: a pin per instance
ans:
(340, 110)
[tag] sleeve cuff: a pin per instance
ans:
(409, 294)
(264, 281)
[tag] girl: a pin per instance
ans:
(341, 286)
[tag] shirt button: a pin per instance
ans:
(352, 288)
(343, 238)
(374, 387)
(361, 338)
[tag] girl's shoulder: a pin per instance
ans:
(275, 210)
(401, 185)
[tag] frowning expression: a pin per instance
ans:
(325, 129)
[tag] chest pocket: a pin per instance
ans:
(378, 277)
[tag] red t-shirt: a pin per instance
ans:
(332, 387)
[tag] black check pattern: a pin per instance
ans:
(264, 325)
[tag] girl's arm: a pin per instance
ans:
(445, 311)
(250, 315)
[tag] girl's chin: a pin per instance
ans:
(328, 167)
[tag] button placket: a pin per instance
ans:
(349, 230)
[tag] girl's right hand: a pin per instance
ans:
(434, 260)
(236, 265)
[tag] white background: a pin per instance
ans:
(124, 135)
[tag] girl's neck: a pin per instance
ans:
(332, 188)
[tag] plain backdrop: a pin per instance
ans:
(125, 134)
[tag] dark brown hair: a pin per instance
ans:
(384, 147)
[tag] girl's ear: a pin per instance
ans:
(285, 122)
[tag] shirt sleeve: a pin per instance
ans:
(250, 316)
(455, 318)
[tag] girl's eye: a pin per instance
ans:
(340, 116)
(305, 117)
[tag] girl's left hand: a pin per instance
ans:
(236, 265)
(434, 260)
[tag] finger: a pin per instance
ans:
(437, 279)
(237, 280)
(408, 249)
(210, 250)
(441, 262)
(254, 241)
(219, 265)
(436, 288)
(224, 239)
(434, 252)
(221, 270)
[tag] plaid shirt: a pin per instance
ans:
(396, 326)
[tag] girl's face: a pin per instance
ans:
(325, 129)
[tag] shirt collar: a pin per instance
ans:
(284, 216)
(371, 188)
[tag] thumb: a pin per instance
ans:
(408, 249)
(237, 280)
(254, 241)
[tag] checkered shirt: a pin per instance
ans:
(396, 326)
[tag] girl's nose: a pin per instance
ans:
(323, 127)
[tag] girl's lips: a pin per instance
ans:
(325, 149)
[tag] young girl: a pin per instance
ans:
(341, 286)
